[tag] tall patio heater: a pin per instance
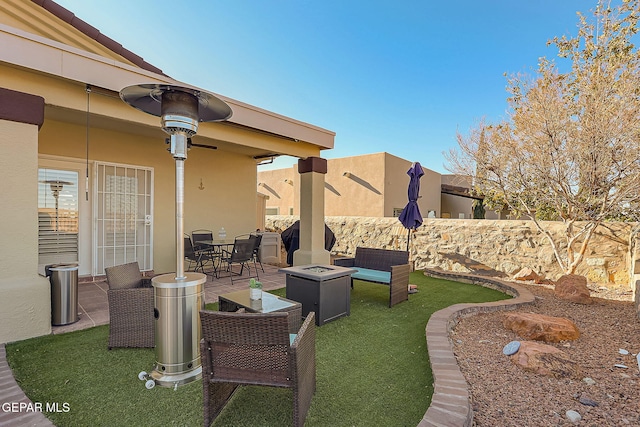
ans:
(179, 297)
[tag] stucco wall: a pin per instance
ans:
(227, 198)
(476, 245)
(25, 304)
(280, 185)
(374, 185)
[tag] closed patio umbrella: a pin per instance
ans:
(410, 216)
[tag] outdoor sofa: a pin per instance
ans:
(382, 266)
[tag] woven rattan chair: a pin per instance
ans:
(256, 349)
(130, 307)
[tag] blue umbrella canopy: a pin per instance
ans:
(410, 216)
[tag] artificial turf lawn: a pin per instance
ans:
(372, 370)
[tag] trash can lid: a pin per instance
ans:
(61, 267)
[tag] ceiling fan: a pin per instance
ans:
(191, 144)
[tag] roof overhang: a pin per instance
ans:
(454, 190)
(251, 130)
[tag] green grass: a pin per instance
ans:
(372, 370)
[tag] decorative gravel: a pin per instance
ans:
(607, 393)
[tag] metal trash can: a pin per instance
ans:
(64, 293)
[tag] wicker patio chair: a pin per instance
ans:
(256, 349)
(131, 321)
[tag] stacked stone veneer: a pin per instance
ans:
(485, 246)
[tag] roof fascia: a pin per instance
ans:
(37, 53)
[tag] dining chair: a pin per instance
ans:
(257, 240)
(209, 255)
(256, 349)
(193, 255)
(241, 254)
(256, 251)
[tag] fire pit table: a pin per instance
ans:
(324, 289)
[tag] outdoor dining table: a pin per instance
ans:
(218, 246)
(217, 243)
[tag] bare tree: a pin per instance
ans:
(570, 149)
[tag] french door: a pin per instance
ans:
(123, 216)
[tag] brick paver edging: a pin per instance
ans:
(11, 393)
(450, 404)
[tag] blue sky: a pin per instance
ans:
(401, 77)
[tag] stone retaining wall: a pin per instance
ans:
(484, 246)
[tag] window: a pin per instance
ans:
(272, 211)
(57, 216)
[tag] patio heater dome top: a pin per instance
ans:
(165, 99)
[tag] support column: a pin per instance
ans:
(312, 171)
(25, 303)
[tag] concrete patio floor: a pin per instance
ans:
(93, 306)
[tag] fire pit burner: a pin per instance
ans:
(318, 269)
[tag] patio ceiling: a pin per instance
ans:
(256, 143)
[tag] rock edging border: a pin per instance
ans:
(450, 404)
(10, 392)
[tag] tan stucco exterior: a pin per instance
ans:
(371, 185)
(25, 294)
(454, 206)
(47, 57)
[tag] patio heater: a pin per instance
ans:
(179, 297)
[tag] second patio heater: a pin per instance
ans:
(179, 297)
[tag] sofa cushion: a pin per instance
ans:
(370, 275)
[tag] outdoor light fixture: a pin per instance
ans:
(347, 174)
(288, 181)
(178, 298)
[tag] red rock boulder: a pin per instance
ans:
(539, 327)
(572, 287)
(545, 360)
(527, 274)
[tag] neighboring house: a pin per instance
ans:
(372, 185)
(87, 178)
(368, 185)
(456, 198)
